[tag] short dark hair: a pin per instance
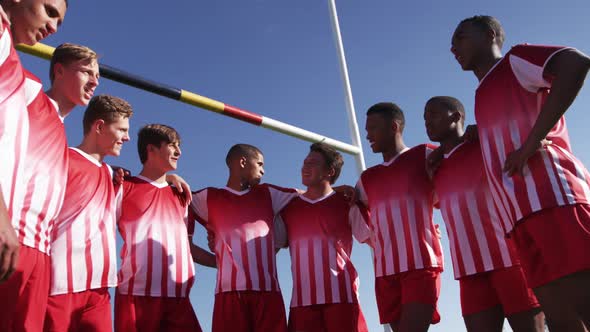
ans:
(106, 108)
(332, 157)
(450, 103)
(242, 150)
(155, 134)
(389, 111)
(485, 22)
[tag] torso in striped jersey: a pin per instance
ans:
(14, 121)
(83, 252)
(507, 103)
(400, 198)
(156, 258)
(243, 224)
(45, 170)
(320, 243)
(475, 231)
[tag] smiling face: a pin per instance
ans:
(315, 170)
(77, 80)
(35, 20)
(113, 135)
(165, 156)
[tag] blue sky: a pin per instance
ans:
(278, 58)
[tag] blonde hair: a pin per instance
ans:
(67, 53)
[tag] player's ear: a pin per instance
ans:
(456, 116)
(331, 173)
(243, 162)
(98, 126)
(58, 70)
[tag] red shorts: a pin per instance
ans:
(337, 317)
(418, 286)
(507, 287)
(249, 311)
(24, 295)
(554, 243)
(84, 311)
(148, 313)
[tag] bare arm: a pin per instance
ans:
(569, 69)
(202, 256)
(9, 246)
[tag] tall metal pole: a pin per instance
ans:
(352, 123)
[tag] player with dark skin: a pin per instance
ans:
(566, 300)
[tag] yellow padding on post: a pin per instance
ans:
(39, 50)
(200, 101)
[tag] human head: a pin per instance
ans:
(34, 20)
(159, 145)
(443, 116)
(323, 163)
(246, 162)
(475, 38)
(107, 118)
(385, 121)
(74, 73)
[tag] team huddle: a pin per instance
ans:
(515, 201)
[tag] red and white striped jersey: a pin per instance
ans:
(319, 234)
(476, 236)
(400, 198)
(46, 170)
(156, 257)
(243, 225)
(14, 121)
(83, 252)
(507, 104)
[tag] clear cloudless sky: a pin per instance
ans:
(278, 58)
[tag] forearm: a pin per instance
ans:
(570, 71)
(202, 256)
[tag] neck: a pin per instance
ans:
(318, 191)
(64, 104)
(91, 148)
(452, 140)
(153, 173)
(487, 63)
(396, 148)
(237, 184)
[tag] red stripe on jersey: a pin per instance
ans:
(88, 261)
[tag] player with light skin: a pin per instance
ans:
(157, 269)
(525, 93)
(29, 21)
(79, 298)
(492, 283)
(321, 223)
(399, 194)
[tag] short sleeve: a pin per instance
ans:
(198, 207)
(361, 194)
(528, 64)
(280, 197)
(358, 218)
